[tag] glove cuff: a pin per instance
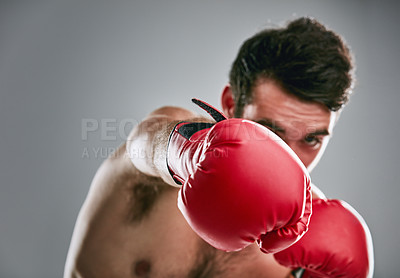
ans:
(184, 131)
(180, 144)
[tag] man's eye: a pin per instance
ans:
(312, 141)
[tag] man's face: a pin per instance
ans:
(305, 126)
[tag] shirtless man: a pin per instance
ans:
(293, 80)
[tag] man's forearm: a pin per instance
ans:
(147, 143)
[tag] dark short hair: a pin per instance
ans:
(304, 58)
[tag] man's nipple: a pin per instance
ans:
(142, 268)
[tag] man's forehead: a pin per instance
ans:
(290, 113)
(299, 122)
(296, 127)
(284, 111)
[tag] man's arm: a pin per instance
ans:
(110, 199)
(148, 141)
(107, 205)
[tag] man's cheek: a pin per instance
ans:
(315, 156)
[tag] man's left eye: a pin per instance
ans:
(312, 141)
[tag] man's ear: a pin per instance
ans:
(227, 102)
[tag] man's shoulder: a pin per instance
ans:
(120, 186)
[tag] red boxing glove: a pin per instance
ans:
(240, 184)
(337, 244)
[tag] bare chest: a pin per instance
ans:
(165, 246)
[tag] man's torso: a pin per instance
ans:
(130, 226)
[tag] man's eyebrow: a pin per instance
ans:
(323, 132)
(276, 128)
(270, 124)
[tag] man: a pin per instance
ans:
(294, 81)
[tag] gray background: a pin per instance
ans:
(66, 62)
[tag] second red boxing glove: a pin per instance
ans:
(338, 244)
